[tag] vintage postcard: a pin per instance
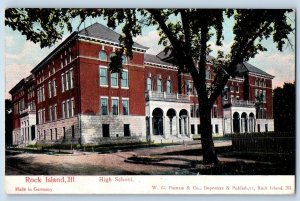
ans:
(150, 101)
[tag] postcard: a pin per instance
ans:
(150, 101)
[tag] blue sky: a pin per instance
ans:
(21, 55)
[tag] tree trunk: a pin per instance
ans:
(208, 149)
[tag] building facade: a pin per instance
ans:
(72, 97)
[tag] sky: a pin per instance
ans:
(21, 55)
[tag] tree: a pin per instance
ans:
(284, 104)
(186, 40)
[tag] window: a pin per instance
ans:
(49, 89)
(63, 110)
(197, 111)
(124, 82)
(73, 131)
(72, 107)
(70, 58)
(264, 96)
(168, 86)
(149, 84)
(126, 130)
(62, 82)
(50, 113)
(105, 130)
(199, 129)
(124, 59)
(189, 87)
(231, 88)
(215, 112)
(159, 87)
(266, 127)
(103, 106)
(216, 128)
(55, 112)
(103, 76)
(207, 74)
(71, 77)
(67, 109)
(237, 89)
(192, 128)
(54, 87)
(115, 106)
(192, 111)
(125, 104)
(50, 134)
(64, 132)
(43, 93)
(114, 79)
(55, 133)
(102, 55)
(67, 80)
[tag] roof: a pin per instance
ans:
(100, 31)
(246, 67)
(166, 56)
(21, 84)
(155, 59)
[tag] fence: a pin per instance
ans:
(270, 142)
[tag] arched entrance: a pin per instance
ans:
(183, 117)
(171, 113)
(236, 122)
(251, 122)
(244, 122)
(157, 122)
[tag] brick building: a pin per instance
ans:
(72, 97)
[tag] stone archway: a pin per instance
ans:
(157, 123)
(236, 122)
(244, 122)
(171, 113)
(183, 122)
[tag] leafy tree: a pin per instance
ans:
(284, 104)
(186, 40)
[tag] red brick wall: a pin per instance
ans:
(165, 74)
(89, 79)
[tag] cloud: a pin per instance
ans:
(13, 74)
(280, 65)
(226, 47)
(150, 40)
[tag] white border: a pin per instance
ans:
(136, 3)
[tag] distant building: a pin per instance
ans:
(72, 97)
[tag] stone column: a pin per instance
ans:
(150, 126)
(188, 127)
(177, 126)
(165, 126)
(241, 125)
(248, 124)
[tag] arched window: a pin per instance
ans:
(102, 55)
(168, 86)
(149, 84)
(159, 86)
